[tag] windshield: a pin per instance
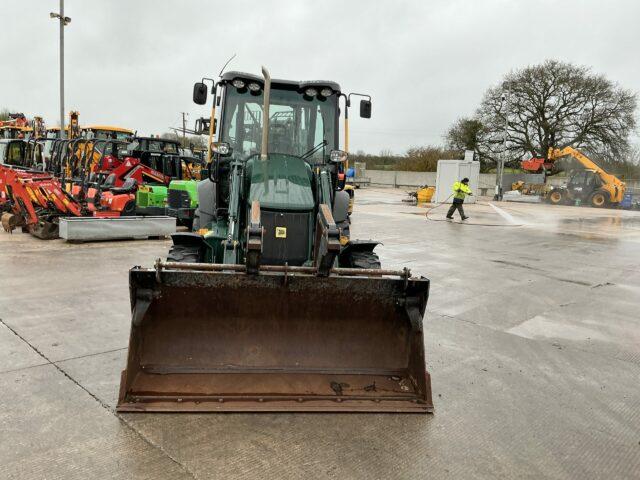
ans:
(109, 134)
(12, 153)
(152, 145)
(298, 125)
(48, 145)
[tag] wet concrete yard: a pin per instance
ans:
(532, 338)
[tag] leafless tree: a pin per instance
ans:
(556, 104)
(465, 134)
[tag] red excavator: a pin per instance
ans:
(35, 200)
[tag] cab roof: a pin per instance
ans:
(300, 84)
(155, 139)
(108, 128)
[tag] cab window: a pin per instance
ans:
(15, 153)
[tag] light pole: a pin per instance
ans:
(500, 169)
(63, 21)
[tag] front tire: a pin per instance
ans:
(365, 260)
(184, 254)
(129, 209)
(555, 198)
(598, 199)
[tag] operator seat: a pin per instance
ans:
(109, 182)
(130, 185)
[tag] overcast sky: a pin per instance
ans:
(425, 63)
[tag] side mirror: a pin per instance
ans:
(202, 125)
(365, 108)
(221, 148)
(337, 156)
(200, 93)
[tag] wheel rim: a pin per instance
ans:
(598, 200)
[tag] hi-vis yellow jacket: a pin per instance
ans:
(460, 190)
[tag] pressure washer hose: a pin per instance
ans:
(463, 223)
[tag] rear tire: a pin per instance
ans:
(368, 260)
(598, 199)
(555, 198)
(184, 254)
(187, 222)
(129, 209)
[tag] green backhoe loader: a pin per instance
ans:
(263, 308)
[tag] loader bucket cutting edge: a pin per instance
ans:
(221, 341)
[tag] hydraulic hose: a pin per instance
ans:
(463, 223)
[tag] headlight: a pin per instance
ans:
(311, 92)
(326, 92)
(221, 148)
(254, 87)
(338, 156)
(238, 83)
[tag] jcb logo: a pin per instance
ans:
(281, 232)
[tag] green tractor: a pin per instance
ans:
(182, 201)
(266, 307)
(180, 197)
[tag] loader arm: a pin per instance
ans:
(21, 201)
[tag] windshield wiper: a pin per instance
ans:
(314, 149)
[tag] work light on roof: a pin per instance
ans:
(254, 87)
(311, 92)
(238, 83)
(326, 92)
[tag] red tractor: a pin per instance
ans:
(537, 165)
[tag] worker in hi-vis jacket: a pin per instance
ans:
(460, 191)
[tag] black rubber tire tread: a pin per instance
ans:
(368, 260)
(599, 192)
(183, 254)
(187, 222)
(129, 209)
(552, 202)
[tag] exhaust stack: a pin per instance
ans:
(265, 112)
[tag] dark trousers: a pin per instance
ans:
(456, 205)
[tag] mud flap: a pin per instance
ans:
(229, 341)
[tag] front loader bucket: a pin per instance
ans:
(211, 341)
(44, 230)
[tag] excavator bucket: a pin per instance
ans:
(220, 340)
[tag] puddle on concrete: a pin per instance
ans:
(542, 327)
(617, 222)
(381, 202)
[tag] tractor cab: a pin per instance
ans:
(12, 132)
(286, 160)
(13, 152)
(159, 154)
(105, 132)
